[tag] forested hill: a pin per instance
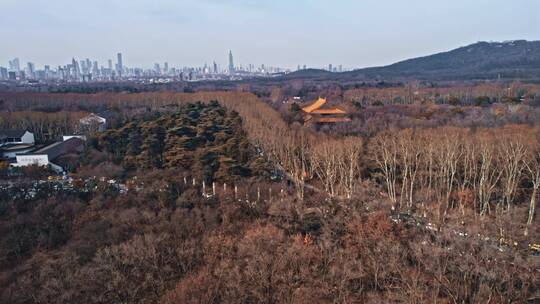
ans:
(483, 60)
(205, 139)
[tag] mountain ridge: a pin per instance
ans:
(480, 60)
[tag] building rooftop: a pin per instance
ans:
(314, 106)
(315, 113)
(11, 133)
(92, 118)
(72, 145)
(329, 111)
(15, 147)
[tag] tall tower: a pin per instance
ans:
(14, 65)
(231, 63)
(31, 69)
(120, 65)
(76, 71)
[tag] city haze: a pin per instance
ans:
(277, 33)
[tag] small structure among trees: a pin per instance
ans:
(316, 113)
(13, 142)
(59, 156)
(93, 122)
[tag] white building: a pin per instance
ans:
(11, 151)
(13, 137)
(57, 156)
(13, 142)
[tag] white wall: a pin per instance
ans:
(28, 138)
(66, 137)
(32, 159)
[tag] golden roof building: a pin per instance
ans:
(317, 113)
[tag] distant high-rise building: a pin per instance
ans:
(340, 68)
(110, 64)
(231, 62)
(3, 73)
(330, 67)
(305, 67)
(76, 71)
(166, 68)
(31, 70)
(84, 68)
(120, 64)
(62, 73)
(215, 68)
(157, 69)
(47, 71)
(14, 65)
(95, 69)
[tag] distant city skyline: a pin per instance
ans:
(282, 33)
(116, 63)
(86, 70)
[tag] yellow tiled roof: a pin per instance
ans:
(314, 106)
(329, 111)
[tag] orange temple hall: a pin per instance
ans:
(316, 113)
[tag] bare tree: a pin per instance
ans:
(447, 157)
(350, 163)
(489, 174)
(410, 155)
(532, 165)
(384, 150)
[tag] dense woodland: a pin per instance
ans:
(206, 140)
(434, 213)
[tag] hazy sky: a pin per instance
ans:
(355, 33)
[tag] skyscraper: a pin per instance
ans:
(231, 63)
(215, 68)
(47, 71)
(88, 66)
(3, 73)
(14, 65)
(84, 68)
(31, 69)
(120, 65)
(110, 65)
(95, 69)
(76, 71)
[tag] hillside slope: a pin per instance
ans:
(483, 60)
